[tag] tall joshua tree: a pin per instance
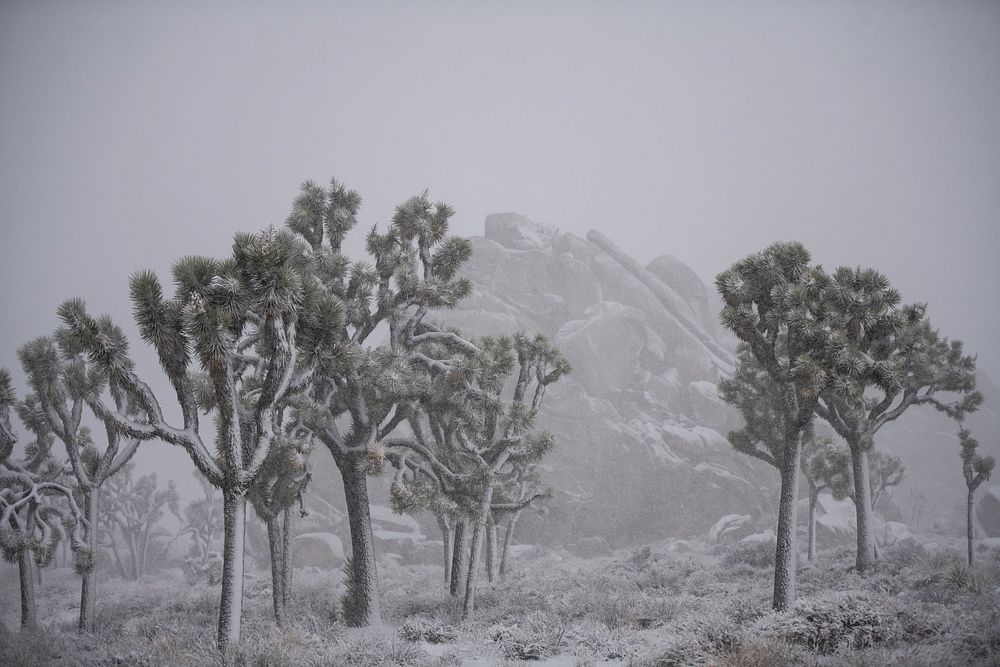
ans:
(413, 270)
(884, 362)
(35, 504)
(61, 378)
(258, 325)
(976, 469)
(774, 302)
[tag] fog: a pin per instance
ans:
(132, 134)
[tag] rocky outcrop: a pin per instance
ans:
(639, 424)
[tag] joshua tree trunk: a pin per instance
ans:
(786, 549)
(88, 589)
(29, 620)
(133, 548)
(863, 508)
(366, 609)
(448, 541)
(28, 617)
(507, 541)
(460, 559)
(275, 541)
(969, 526)
(233, 549)
(478, 534)
(491, 548)
(813, 500)
(144, 551)
(286, 557)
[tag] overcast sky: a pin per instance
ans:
(133, 133)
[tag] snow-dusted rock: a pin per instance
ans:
(766, 536)
(517, 232)
(731, 528)
(988, 511)
(322, 550)
(836, 521)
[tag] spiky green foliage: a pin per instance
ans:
(975, 468)
(885, 359)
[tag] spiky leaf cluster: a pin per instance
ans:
(975, 467)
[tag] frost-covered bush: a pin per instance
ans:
(834, 621)
(421, 628)
(754, 554)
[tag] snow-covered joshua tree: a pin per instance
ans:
(258, 325)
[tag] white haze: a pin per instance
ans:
(134, 133)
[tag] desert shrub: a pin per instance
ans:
(754, 554)
(30, 649)
(905, 553)
(421, 628)
(827, 623)
(537, 636)
(978, 638)
(773, 653)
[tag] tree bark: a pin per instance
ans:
(88, 588)
(478, 534)
(491, 549)
(233, 551)
(863, 508)
(448, 542)
(275, 541)
(785, 554)
(133, 549)
(29, 619)
(366, 607)
(507, 541)
(969, 526)
(813, 501)
(286, 557)
(460, 559)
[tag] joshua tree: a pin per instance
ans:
(31, 521)
(884, 361)
(258, 325)
(482, 426)
(976, 469)
(775, 304)
(61, 377)
(203, 522)
(836, 471)
(816, 455)
(132, 508)
(521, 491)
(413, 270)
(280, 484)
